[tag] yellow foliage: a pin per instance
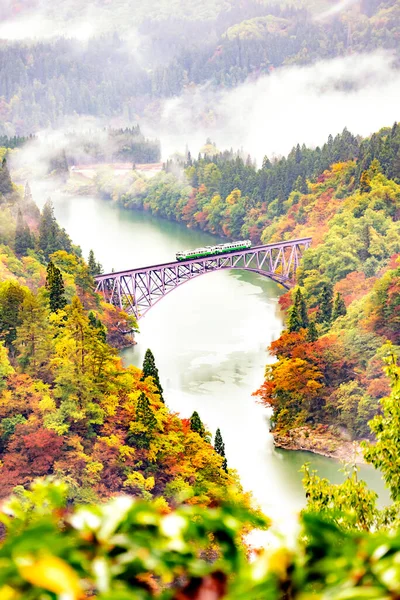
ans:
(53, 574)
(110, 404)
(234, 197)
(47, 404)
(7, 593)
(126, 452)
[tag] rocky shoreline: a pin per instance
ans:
(320, 441)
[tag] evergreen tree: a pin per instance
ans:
(219, 447)
(48, 230)
(294, 320)
(298, 317)
(365, 238)
(5, 179)
(55, 287)
(147, 423)
(312, 333)
(339, 307)
(324, 314)
(197, 425)
(95, 268)
(23, 237)
(150, 370)
(301, 307)
(98, 326)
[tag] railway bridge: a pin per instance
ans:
(138, 290)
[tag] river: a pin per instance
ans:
(209, 339)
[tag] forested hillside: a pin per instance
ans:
(220, 43)
(346, 196)
(67, 406)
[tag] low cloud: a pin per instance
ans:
(292, 105)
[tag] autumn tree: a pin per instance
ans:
(219, 448)
(150, 370)
(34, 338)
(55, 287)
(12, 295)
(384, 454)
(365, 183)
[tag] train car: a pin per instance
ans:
(213, 250)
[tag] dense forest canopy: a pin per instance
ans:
(110, 75)
(345, 195)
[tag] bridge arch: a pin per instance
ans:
(138, 290)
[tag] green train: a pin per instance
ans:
(213, 250)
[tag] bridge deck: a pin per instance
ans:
(113, 274)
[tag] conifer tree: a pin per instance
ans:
(301, 307)
(95, 268)
(55, 286)
(150, 370)
(23, 237)
(219, 447)
(197, 425)
(312, 333)
(98, 326)
(144, 416)
(294, 320)
(324, 314)
(339, 307)
(48, 230)
(5, 179)
(29, 207)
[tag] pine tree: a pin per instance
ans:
(150, 370)
(55, 286)
(339, 307)
(23, 238)
(312, 333)
(95, 268)
(301, 308)
(294, 320)
(98, 326)
(6, 186)
(324, 314)
(48, 230)
(197, 425)
(145, 417)
(219, 447)
(365, 238)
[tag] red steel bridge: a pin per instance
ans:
(138, 290)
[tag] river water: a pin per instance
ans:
(209, 339)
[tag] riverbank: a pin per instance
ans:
(320, 440)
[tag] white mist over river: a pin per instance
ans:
(209, 339)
